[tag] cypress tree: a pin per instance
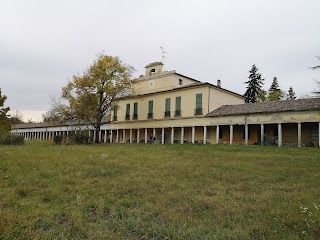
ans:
(254, 85)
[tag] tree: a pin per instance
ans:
(92, 95)
(254, 85)
(262, 96)
(317, 92)
(4, 123)
(291, 94)
(275, 93)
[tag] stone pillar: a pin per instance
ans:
(193, 133)
(105, 136)
(231, 134)
(146, 135)
(162, 136)
(100, 133)
(246, 134)
(217, 134)
(123, 135)
(154, 132)
(117, 136)
(299, 134)
(138, 135)
(182, 135)
(204, 134)
(94, 135)
(172, 135)
(262, 135)
(279, 135)
(111, 136)
(130, 135)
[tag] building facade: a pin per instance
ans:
(168, 107)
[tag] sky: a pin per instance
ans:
(43, 43)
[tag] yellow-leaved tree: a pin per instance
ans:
(91, 96)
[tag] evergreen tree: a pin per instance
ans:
(254, 85)
(291, 94)
(275, 93)
(4, 124)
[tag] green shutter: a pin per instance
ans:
(167, 105)
(178, 103)
(199, 101)
(150, 106)
(135, 108)
(128, 109)
(115, 111)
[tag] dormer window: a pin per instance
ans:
(152, 71)
(180, 82)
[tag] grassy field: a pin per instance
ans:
(139, 191)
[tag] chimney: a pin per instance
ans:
(219, 83)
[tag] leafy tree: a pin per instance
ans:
(4, 123)
(92, 95)
(262, 96)
(254, 85)
(291, 94)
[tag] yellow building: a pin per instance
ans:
(168, 107)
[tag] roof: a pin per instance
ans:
(154, 64)
(310, 104)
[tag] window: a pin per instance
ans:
(178, 107)
(150, 109)
(180, 82)
(152, 71)
(135, 111)
(167, 108)
(198, 110)
(115, 113)
(128, 111)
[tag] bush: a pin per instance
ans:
(58, 139)
(12, 139)
(81, 137)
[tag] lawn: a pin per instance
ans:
(143, 191)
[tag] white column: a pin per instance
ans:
(246, 134)
(111, 136)
(154, 132)
(217, 134)
(130, 135)
(193, 133)
(105, 136)
(117, 136)
(123, 135)
(100, 135)
(162, 136)
(279, 135)
(138, 135)
(204, 134)
(299, 134)
(231, 134)
(146, 135)
(262, 134)
(172, 135)
(182, 135)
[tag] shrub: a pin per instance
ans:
(81, 137)
(58, 139)
(12, 139)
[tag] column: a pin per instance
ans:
(172, 135)
(217, 134)
(117, 136)
(130, 136)
(100, 133)
(231, 134)
(94, 135)
(182, 135)
(279, 135)
(193, 133)
(262, 135)
(204, 134)
(146, 135)
(246, 134)
(162, 136)
(299, 134)
(138, 135)
(111, 136)
(105, 135)
(123, 135)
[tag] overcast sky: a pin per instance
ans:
(43, 43)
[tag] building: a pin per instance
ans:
(168, 107)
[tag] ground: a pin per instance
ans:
(144, 191)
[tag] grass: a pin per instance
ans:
(140, 191)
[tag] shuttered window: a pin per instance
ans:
(128, 111)
(178, 103)
(167, 105)
(199, 101)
